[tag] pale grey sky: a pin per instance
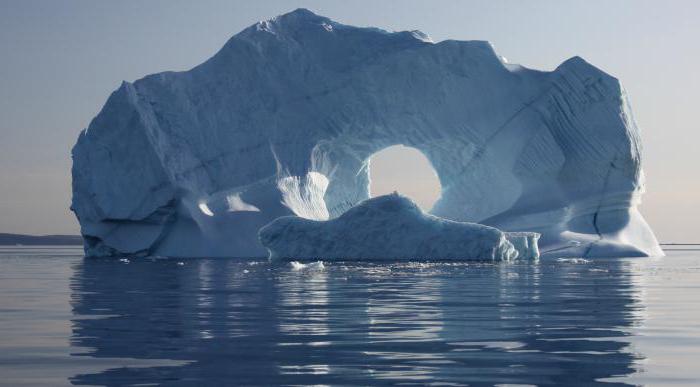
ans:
(61, 59)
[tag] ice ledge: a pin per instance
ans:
(392, 227)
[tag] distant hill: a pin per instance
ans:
(38, 240)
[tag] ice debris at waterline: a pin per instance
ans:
(391, 227)
(313, 266)
(284, 118)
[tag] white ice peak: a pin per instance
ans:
(283, 119)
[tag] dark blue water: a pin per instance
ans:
(67, 320)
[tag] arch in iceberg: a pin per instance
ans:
(283, 119)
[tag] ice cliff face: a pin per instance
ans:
(283, 119)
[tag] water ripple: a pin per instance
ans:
(222, 322)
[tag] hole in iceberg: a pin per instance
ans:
(405, 170)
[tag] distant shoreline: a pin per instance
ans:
(679, 244)
(40, 240)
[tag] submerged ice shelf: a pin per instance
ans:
(392, 227)
(283, 119)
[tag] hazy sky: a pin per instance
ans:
(60, 60)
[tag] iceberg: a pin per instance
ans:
(284, 118)
(390, 227)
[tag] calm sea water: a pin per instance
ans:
(65, 320)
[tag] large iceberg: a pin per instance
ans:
(283, 119)
(391, 227)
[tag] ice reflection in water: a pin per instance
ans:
(398, 320)
(255, 323)
(303, 319)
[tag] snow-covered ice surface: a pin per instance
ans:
(284, 118)
(390, 227)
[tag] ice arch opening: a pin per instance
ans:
(405, 170)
